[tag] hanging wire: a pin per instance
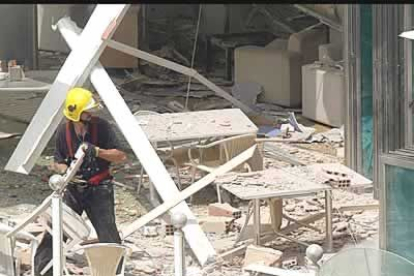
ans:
(193, 55)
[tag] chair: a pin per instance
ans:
(74, 228)
(165, 152)
(277, 66)
(103, 258)
(228, 149)
(8, 265)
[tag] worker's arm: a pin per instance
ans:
(112, 155)
(111, 148)
(59, 165)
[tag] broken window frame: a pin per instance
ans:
(393, 116)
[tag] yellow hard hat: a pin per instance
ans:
(77, 101)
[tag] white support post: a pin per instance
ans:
(57, 235)
(141, 146)
(178, 221)
(100, 27)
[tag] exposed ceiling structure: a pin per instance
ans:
(286, 19)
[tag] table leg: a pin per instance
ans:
(250, 212)
(209, 55)
(228, 64)
(256, 220)
(328, 222)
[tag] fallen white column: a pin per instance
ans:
(136, 137)
(100, 27)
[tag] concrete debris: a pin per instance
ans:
(247, 92)
(223, 210)
(262, 255)
(150, 231)
(335, 135)
(290, 263)
(147, 267)
(16, 73)
(216, 225)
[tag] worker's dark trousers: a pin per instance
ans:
(98, 203)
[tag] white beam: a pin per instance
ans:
(408, 34)
(181, 69)
(194, 188)
(100, 27)
(141, 146)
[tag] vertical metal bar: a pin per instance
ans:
(179, 220)
(357, 94)
(179, 260)
(350, 85)
(218, 193)
(408, 73)
(328, 217)
(256, 219)
(57, 235)
(382, 206)
(376, 98)
(35, 62)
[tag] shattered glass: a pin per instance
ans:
(366, 262)
(366, 91)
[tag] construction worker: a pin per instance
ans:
(93, 191)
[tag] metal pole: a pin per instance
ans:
(257, 221)
(328, 211)
(179, 220)
(57, 235)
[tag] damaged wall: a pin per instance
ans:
(16, 33)
(50, 40)
(47, 15)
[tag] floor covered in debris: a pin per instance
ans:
(152, 249)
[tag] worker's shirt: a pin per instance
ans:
(106, 139)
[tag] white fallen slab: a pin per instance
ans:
(141, 146)
(100, 27)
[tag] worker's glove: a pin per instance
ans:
(91, 151)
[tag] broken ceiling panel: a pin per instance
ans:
(330, 15)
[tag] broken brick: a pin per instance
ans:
(223, 210)
(217, 225)
(262, 255)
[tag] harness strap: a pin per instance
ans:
(94, 136)
(69, 140)
(98, 178)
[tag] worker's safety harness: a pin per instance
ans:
(89, 163)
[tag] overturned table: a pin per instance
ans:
(290, 182)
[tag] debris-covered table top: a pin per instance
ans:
(196, 125)
(293, 181)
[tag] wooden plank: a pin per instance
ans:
(74, 72)
(142, 148)
(197, 186)
(181, 69)
(228, 255)
(359, 207)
